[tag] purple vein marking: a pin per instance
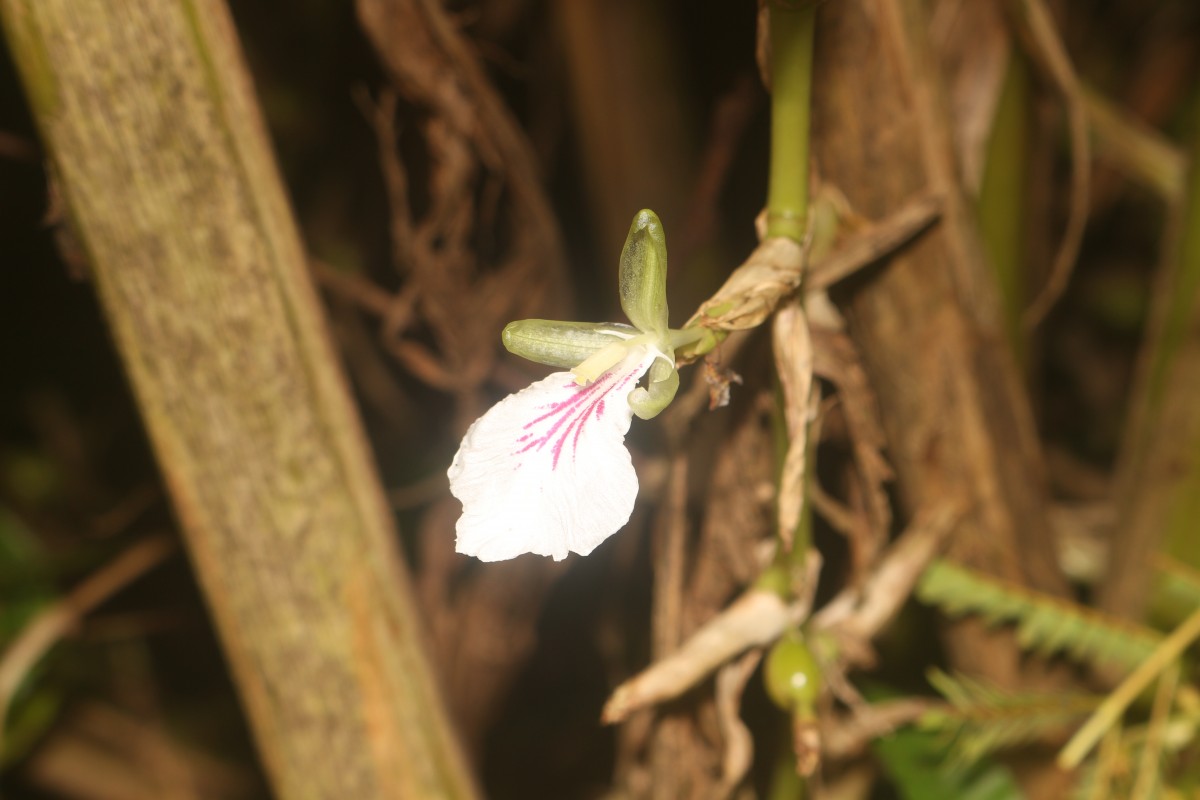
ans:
(572, 413)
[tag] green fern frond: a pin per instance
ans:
(1045, 625)
(1176, 590)
(982, 718)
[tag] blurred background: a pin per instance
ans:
(625, 104)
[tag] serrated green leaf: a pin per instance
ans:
(983, 718)
(1176, 591)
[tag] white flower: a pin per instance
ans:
(546, 471)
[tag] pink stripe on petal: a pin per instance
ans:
(573, 413)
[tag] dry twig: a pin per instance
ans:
(755, 619)
(739, 744)
(849, 736)
(1050, 52)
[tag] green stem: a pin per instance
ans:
(791, 34)
(785, 782)
(682, 337)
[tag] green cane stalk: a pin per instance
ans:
(791, 27)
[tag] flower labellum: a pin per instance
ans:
(546, 470)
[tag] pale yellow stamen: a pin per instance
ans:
(600, 362)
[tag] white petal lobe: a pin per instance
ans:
(545, 470)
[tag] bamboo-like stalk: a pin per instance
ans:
(790, 30)
(791, 37)
(147, 113)
(1159, 474)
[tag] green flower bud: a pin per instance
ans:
(562, 344)
(791, 674)
(643, 274)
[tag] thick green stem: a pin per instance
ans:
(791, 32)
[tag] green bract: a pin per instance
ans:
(591, 349)
(643, 275)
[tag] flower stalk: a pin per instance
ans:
(791, 32)
(791, 36)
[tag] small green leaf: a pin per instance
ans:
(643, 274)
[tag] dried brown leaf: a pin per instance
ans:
(794, 365)
(775, 269)
(772, 272)
(869, 242)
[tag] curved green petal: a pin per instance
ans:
(561, 344)
(664, 383)
(643, 274)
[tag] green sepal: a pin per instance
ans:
(643, 274)
(561, 344)
(648, 403)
